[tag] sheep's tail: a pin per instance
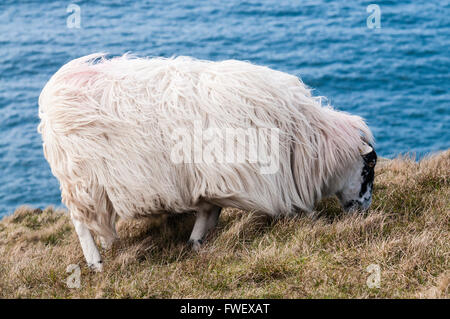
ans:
(75, 70)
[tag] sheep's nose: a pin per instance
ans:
(352, 205)
(366, 204)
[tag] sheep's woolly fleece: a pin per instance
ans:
(107, 127)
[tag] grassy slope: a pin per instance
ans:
(406, 232)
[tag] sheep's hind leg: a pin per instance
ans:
(206, 219)
(88, 246)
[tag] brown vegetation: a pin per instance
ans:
(406, 233)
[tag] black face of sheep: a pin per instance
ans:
(356, 193)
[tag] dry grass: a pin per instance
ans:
(406, 233)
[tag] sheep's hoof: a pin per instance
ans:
(195, 244)
(97, 267)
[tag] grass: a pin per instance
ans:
(406, 233)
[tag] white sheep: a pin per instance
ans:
(126, 137)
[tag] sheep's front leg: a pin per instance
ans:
(106, 243)
(88, 246)
(206, 219)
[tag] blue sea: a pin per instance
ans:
(393, 69)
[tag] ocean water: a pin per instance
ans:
(395, 76)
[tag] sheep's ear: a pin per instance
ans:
(365, 148)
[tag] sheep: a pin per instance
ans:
(122, 136)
